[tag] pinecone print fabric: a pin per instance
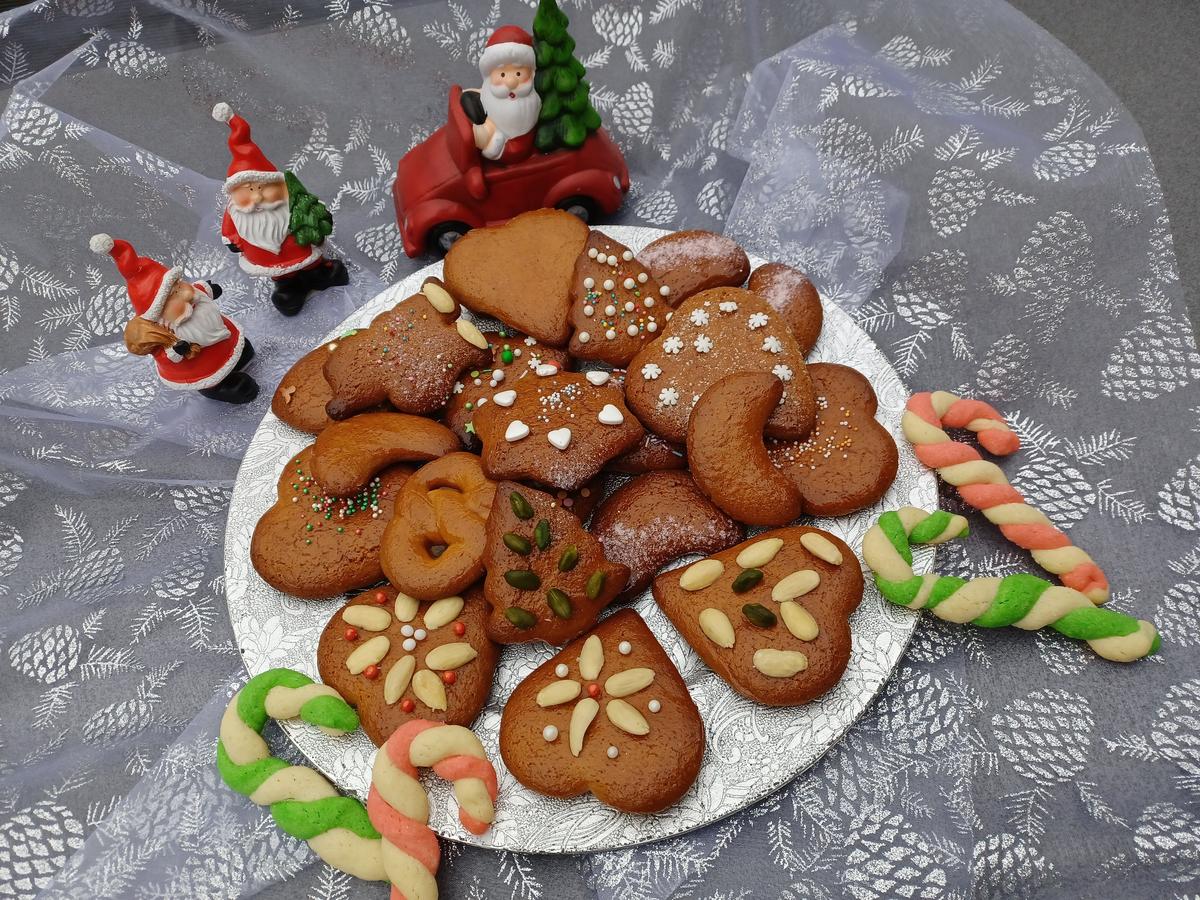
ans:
(1046, 736)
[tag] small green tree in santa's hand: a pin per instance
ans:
(567, 116)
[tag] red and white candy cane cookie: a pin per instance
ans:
(983, 485)
(399, 808)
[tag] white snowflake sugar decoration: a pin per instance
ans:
(772, 344)
(668, 397)
(673, 344)
(699, 317)
(728, 306)
(530, 341)
(650, 371)
(703, 343)
(458, 387)
(757, 320)
(782, 372)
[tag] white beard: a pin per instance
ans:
(265, 226)
(204, 325)
(512, 116)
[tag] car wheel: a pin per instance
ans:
(582, 208)
(443, 235)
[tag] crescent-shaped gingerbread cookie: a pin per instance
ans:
(849, 460)
(312, 545)
(728, 457)
(607, 714)
(348, 453)
(771, 615)
(395, 659)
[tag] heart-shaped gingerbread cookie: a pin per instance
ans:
(607, 714)
(770, 615)
(520, 272)
(395, 659)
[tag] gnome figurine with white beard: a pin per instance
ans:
(504, 112)
(276, 225)
(179, 325)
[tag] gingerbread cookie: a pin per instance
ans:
(348, 453)
(656, 518)
(433, 547)
(608, 714)
(693, 261)
(726, 452)
(547, 578)
(410, 355)
(771, 615)
(514, 357)
(617, 307)
(395, 659)
(793, 296)
(300, 399)
(559, 430)
(652, 454)
(710, 335)
(849, 460)
(313, 546)
(520, 272)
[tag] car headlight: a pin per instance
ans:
(616, 182)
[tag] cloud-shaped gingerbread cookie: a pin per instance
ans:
(710, 335)
(848, 461)
(770, 615)
(608, 714)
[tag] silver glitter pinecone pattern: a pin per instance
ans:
(49, 654)
(34, 844)
(1153, 359)
(1046, 737)
(890, 860)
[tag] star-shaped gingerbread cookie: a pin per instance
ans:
(410, 355)
(617, 306)
(710, 335)
(559, 430)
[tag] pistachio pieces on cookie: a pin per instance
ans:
(395, 659)
(559, 430)
(711, 334)
(848, 461)
(313, 545)
(410, 355)
(547, 578)
(608, 714)
(617, 306)
(770, 615)
(520, 272)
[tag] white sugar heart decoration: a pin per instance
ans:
(516, 431)
(610, 415)
(559, 437)
(505, 398)
(598, 378)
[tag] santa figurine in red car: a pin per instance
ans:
(507, 103)
(276, 225)
(179, 325)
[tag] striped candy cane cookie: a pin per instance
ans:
(1022, 601)
(399, 807)
(302, 802)
(983, 485)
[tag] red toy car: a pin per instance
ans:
(444, 186)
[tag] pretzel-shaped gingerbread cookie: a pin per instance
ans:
(433, 546)
(399, 807)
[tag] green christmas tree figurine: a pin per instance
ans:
(567, 116)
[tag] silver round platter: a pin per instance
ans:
(752, 750)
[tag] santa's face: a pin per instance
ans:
(260, 213)
(249, 195)
(510, 100)
(178, 307)
(201, 323)
(507, 79)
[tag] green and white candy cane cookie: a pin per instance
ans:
(302, 802)
(1022, 601)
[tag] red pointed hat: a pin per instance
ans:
(147, 281)
(248, 163)
(508, 45)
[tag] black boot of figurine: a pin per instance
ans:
(236, 388)
(247, 355)
(291, 291)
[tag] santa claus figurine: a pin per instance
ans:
(178, 323)
(505, 110)
(276, 225)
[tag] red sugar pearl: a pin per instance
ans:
(371, 672)
(593, 690)
(381, 598)
(449, 677)
(407, 705)
(460, 629)
(352, 634)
